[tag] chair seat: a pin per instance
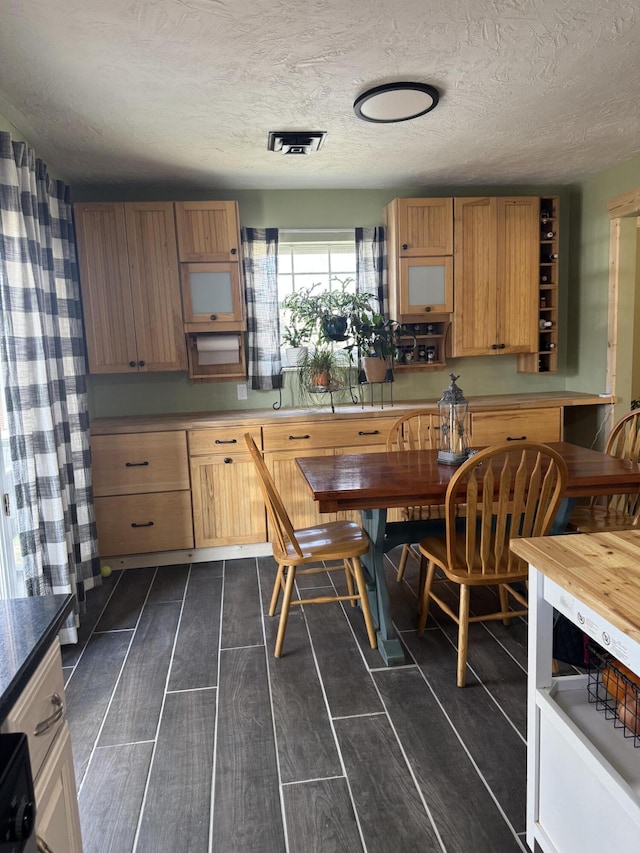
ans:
(436, 549)
(598, 519)
(334, 540)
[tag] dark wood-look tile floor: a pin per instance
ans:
(190, 737)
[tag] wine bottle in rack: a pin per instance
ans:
(545, 216)
(548, 235)
(549, 257)
(546, 324)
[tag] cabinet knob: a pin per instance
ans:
(141, 363)
(405, 246)
(501, 346)
(494, 346)
(234, 251)
(227, 460)
(213, 316)
(132, 364)
(428, 308)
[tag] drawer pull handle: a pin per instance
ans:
(298, 437)
(372, 432)
(135, 464)
(146, 524)
(228, 441)
(45, 725)
(516, 438)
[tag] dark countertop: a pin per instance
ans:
(28, 626)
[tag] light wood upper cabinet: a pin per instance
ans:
(208, 231)
(424, 226)
(212, 298)
(495, 276)
(419, 250)
(130, 288)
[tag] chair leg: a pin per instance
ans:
(463, 634)
(348, 570)
(504, 603)
(404, 556)
(284, 613)
(278, 585)
(426, 589)
(364, 601)
(422, 580)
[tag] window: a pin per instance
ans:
(301, 265)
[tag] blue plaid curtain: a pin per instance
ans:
(44, 380)
(260, 266)
(371, 265)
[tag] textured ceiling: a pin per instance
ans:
(186, 91)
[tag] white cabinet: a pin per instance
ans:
(40, 713)
(583, 774)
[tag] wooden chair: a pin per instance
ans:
(512, 496)
(417, 430)
(613, 512)
(335, 540)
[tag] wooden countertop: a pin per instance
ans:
(260, 417)
(600, 569)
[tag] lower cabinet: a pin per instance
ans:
(57, 819)
(228, 508)
(142, 524)
(40, 712)
(517, 425)
(142, 487)
(283, 443)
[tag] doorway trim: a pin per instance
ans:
(619, 207)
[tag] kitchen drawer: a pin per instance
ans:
(524, 424)
(139, 524)
(352, 433)
(40, 710)
(222, 439)
(135, 463)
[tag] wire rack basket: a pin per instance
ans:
(613, 689)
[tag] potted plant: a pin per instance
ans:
(377, 343)
(299, 327)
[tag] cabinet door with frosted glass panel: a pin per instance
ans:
(426, 286)
(212, 298)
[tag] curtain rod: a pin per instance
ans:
(317, 230)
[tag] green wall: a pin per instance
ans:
(588, 294)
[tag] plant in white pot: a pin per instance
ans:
(298, 329)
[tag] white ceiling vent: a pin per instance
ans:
(296, 141)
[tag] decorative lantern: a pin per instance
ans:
(452, 411)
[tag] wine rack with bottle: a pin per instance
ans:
(545, 360)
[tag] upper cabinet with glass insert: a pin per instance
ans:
(420, 258)
(210, 269)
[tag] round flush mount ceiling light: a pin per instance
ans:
(396, 102)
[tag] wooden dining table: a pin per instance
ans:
(375, 482)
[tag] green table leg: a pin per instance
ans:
(374, 522)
